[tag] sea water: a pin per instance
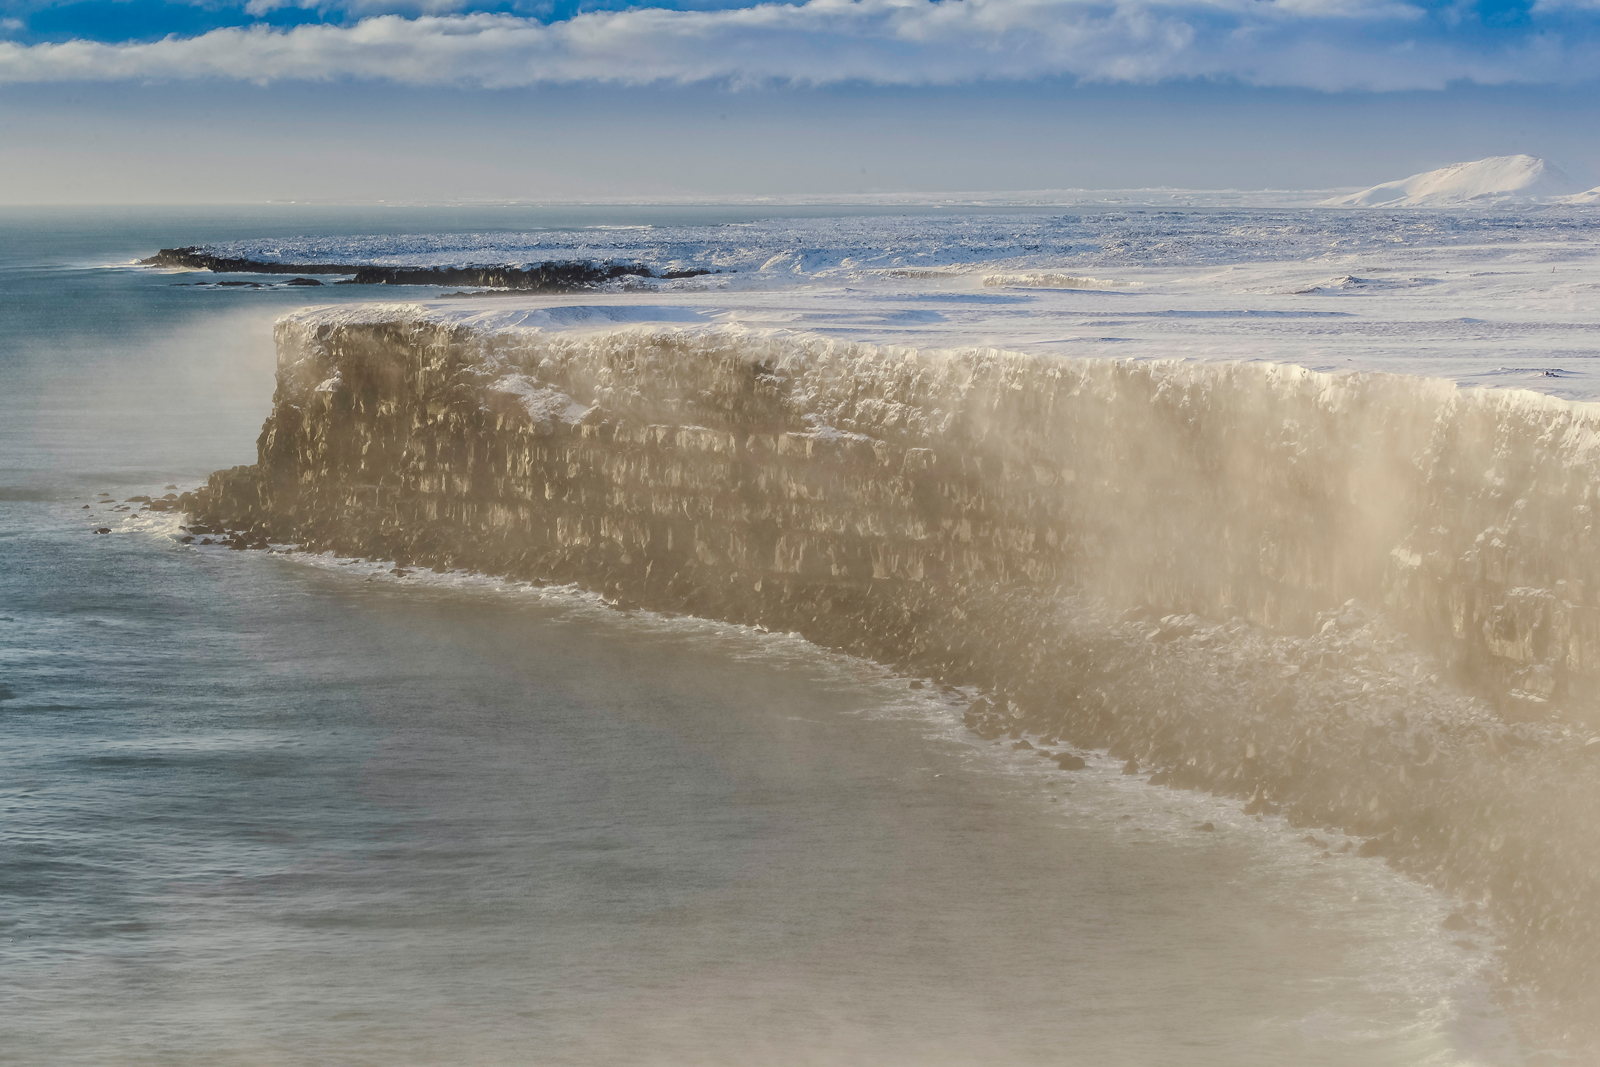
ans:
(276, 809)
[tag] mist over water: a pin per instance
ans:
(256, 809)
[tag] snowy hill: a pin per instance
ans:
(1487, 181)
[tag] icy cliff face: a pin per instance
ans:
(1265, 491)
(1252, 578)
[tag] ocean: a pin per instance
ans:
(266, 808)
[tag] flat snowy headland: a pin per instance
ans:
(1502, 298)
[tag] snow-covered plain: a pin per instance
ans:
(1482, 297)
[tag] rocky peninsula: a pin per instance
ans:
(547, 277)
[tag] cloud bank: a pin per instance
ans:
(1316, 44)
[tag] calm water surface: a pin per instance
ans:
(263, 810)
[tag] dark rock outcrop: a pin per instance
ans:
(547, 277)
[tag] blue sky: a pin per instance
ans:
(1486, 25)
(152, 100)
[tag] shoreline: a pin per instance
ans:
(1021, 775)
(992, 719)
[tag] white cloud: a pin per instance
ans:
(1348, 9)
(1322, 44)
(11, 25)
(360, 7)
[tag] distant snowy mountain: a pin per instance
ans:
(1592, 196)
(1487, 181)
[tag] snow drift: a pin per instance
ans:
(1486, 181)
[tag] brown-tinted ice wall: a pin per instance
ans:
(1265, 491)
(1154, 557)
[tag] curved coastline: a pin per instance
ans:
(1366, 601)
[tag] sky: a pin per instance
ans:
(147, 101)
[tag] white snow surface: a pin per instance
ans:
(499, 314)
(545, 404)
(1094, 242)
(1482, 298)
(1495, 180)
